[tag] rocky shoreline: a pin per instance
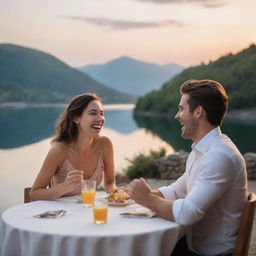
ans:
(173, 166)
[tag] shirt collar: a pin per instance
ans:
(203, 145)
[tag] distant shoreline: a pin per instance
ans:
(20, 105)
(248, 115)
(28, 105)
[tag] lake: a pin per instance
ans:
(25, 134)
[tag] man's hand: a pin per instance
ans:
(139, 191)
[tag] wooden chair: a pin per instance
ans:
(245, 227)
(27, 195)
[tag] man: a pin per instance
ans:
(210, 195)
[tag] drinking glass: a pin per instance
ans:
(88, 189)
(100, 212)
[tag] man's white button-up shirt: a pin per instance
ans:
(211, 194)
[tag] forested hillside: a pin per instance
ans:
(237, 73)
(30, 75)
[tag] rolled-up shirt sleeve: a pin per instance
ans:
(216, 174)
(175, 190)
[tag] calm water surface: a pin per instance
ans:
(25, 140)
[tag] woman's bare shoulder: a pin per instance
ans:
(58, 149)
(106, 141)
(107, 146)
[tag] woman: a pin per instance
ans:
(78, 152)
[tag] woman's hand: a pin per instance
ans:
(109, 188)
(74, 179)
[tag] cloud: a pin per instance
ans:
(125, 24)
(204, 3)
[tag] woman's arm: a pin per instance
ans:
(109, 166)
(53, 160)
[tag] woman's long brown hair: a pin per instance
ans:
(66, 129)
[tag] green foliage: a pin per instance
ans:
(141, 165)
(33, 76)
(235, 72)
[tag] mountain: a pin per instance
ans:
(235, 72)
(30, 75)
(132, 76)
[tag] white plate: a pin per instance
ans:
(125, 203)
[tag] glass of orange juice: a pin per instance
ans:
(100, 212)
(88, 189)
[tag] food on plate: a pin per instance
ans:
(118, 196)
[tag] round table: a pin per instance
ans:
(76, 234)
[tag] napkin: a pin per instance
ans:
(51, 214)
(137, 211)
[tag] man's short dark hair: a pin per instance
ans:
(210, 95)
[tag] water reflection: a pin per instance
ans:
(120, 120)
(23, 126)
(19, 127)
(169, 130)
(242, 134)
(19, 169)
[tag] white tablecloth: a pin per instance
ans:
(76, 234)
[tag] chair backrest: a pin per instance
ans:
(245, 227)
(27, 195)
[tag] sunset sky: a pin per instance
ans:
(81, 32)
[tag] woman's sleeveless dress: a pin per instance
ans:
(67, 166)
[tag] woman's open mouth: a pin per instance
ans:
(96, 126)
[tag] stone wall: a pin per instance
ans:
(250, 160)
(173, 166)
